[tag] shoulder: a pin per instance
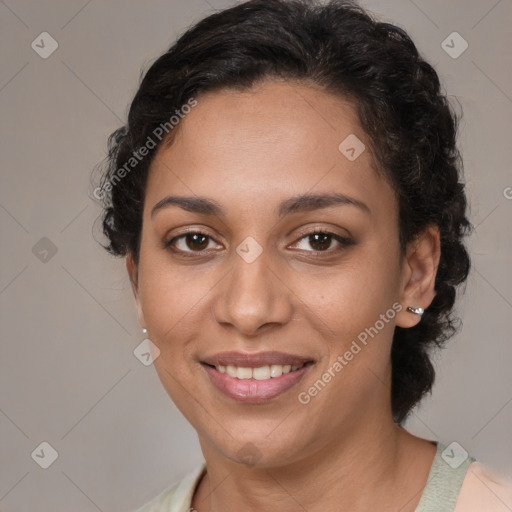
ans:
(484, 488)
(178, 496)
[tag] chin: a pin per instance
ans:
(258, 450)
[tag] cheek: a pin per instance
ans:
(171, 305)
(163, 299)
(353, 306)
(353, 295)
(174, 300)
(356, 316)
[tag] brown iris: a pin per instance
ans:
(196, 241)
(323, 239)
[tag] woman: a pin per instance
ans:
(287, 193)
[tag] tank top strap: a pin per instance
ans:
(445, 478)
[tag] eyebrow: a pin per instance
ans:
(300, 203)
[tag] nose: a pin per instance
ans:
(253, 296)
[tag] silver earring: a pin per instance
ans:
(416, 311)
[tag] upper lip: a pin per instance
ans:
(246, 360)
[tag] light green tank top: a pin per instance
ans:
(445, 478)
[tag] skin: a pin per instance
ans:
(248, 151)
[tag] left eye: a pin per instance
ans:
(321, 241)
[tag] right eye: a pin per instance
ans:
(190, 242)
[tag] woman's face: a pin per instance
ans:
(252, 286)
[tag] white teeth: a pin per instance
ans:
(276, 370)
(260, 373)
(243, 373)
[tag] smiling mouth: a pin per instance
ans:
(260, 373)
(255, 385)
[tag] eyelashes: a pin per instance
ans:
(196, 237)
(319, 236)
(196, 243)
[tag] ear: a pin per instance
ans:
(419, 272)
(133, 273)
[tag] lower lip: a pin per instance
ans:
(252, 390)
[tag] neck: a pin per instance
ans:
(368, 465)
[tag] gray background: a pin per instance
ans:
(68, 375)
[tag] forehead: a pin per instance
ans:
(254, 146)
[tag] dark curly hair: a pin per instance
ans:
(347, 51)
